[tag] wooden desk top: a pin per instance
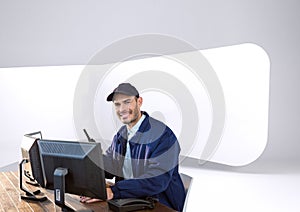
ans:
(10, 199)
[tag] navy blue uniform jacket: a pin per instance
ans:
(154, 152)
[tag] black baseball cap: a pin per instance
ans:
(123, 88)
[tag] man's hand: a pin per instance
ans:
(109, 192)
(89, 200)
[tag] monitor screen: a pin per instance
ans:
(83, 161)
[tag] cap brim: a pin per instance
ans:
(110, 97)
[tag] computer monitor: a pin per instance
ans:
(72, 167)
(30, 153)
(35, 163)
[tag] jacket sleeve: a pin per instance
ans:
(159, 170)
(108, 162)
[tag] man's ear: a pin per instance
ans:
(140, 101)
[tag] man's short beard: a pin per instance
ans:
(136, 116)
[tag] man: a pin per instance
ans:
(143, 155)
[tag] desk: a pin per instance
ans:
(10, 198)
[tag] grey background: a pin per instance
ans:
(34, 33)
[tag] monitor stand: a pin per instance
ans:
(29, 195)
(59, 189)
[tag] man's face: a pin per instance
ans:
(127, 108)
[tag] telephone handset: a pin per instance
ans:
(130, 204)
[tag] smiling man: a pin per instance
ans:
(143, 155)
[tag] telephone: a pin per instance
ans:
(130, 204)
